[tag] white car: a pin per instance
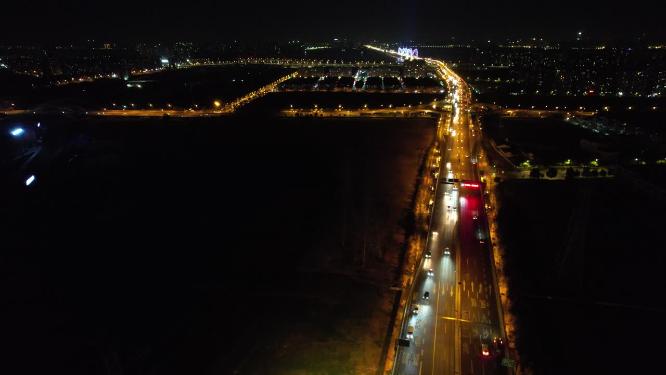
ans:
(447, 251)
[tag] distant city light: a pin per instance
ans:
(30, 180)
(39, 124)
(17, 132)
(164, 60)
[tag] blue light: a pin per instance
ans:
(17, 132)
(30, 180)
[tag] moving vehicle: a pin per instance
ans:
(447, 251)
(415, 310)
(428, 254)
(484, 350)
(410, 332)
(426, 295)
(498, 343)
(431, 272)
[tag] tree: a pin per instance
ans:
(534, 173)
(603, 173)
(586, 172)
(569, 174)
(551, 172)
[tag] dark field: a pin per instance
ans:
(260, 245)
(182, 88)
(598, 308)
(549, 141)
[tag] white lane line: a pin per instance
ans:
(434, 341)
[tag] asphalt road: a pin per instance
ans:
(455, 330)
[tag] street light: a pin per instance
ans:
(17, 132)
(217, 104)
(30, 180)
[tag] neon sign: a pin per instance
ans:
(408, 52)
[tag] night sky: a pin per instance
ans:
(205, 20)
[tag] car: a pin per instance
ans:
(435, 234)
(426, 295)
(428, 254)
(484, 350)
(410, 332)
(415, 310)
(431, 272)
(498, 343)
(447, 251)
(474, 217)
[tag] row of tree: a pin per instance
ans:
(572, 172)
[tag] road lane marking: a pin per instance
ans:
(455, 319)
(434, 341)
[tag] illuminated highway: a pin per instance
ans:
(457, 329)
